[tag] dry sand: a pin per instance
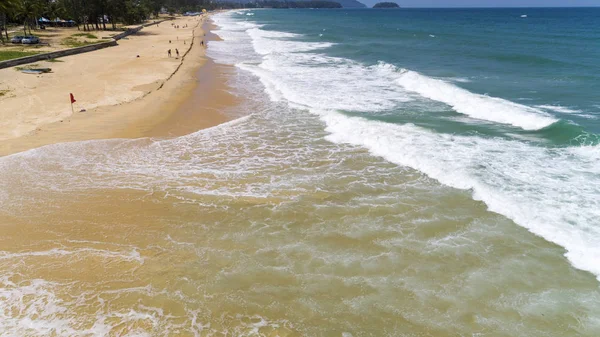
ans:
(123, 96)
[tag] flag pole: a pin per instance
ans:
(72, 98)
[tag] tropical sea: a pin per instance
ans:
(394, 173)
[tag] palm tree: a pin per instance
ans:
(28, 11)
(6, 7)
(54, 10)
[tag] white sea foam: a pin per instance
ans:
(240, 46)
(278, 47)
(282, 57)
(556, 200)
(39, 307)
(566, 110)
(327, 82)
(558, 108)
(475, 105)
(552, 192)
(460, 79)
(40, 313)
(267, 42)
(133, 255)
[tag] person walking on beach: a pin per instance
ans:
(177, 52)
(202, 43)
(169, 52)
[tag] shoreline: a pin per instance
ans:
(342, 204)
(175, 107)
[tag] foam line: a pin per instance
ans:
(475, 105)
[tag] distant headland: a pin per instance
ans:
(386, 5)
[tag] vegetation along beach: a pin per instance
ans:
(299, 168)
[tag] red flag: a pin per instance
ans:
(72, 99)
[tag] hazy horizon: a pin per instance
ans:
(487, 3)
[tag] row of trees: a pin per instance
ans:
(89, 14)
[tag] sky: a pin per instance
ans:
(488, 3)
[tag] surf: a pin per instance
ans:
(477, 106)
(555, 200)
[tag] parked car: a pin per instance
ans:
(30, 40)
(17, 39)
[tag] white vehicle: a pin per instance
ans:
(17, 39)
(30, 40)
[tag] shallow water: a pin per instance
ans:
(235, 231)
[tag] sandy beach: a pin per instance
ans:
(118, 94)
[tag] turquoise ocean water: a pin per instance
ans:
(501, 102)
(546, 61)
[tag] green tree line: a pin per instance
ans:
(89, 14)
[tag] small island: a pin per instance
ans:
(386, 5)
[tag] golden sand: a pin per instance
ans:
(123, 96)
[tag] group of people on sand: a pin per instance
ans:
(177, 26)
(176, 52)
(169, 52)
